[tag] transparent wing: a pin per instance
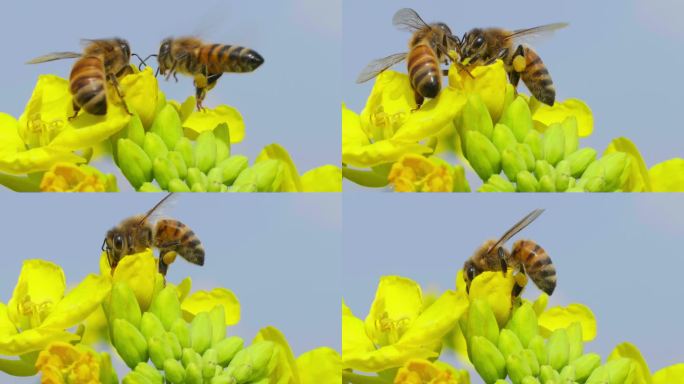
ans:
(158, 210)
(86, 42)
(54, 56)
(376, 66)
(529, 34)
(408, 20)
(516, 228)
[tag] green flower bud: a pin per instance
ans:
(154, 146)
(547, 184)
(198, 187)
(534, 140)
(149, 187)
(482, 322)
(539, 348)
(218, 324)
(496, 183)
(136, 378)
(174, 371)
(178, 185)
(193, 374)
(532, 361)
(617, 169)
(200, 332)
(222, 379)
(205, 151)
(526, 182)
(595, 184)
(509, 343)
(482, 155)
(503, 137)
(161, 102)
(195, 176)
(530, 380)
(167, 125)
(215, 179)
(190, 356)
(150, 373)
(554, 144)
(460, 181)
(182, 332)
(178, 161)
(164, 171)
(558, 349)
(129, 343)
(173, 342)
(184, 147)
(227, 348)
(135, 130)
(135, 165)
(160, 351)
(107, 372)
(568, 373)
(517, 368)
(524, 324)
(512, 162)
(585, 365)
(580, 160)
(562, 182)
(224, 188)
(209, 363)
(518, 117)
(501, 381)
(543, 168)
(563, 168)
(151, 326)
(166, 306)
(571, 135)
(264, 176)
(124, 305)
(548, 374)
(619, 370)
(222, 151)
(476, 116)
(488, 361)
(231, 168)
(254, 362)
(526, 152)
(575, 339)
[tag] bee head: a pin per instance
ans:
(445, 35)
(164, 56)
(469, 273)
(115, 245)
(473, 43)
(125, 47)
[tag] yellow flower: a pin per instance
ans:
(493, 287)
(397, 327)
(421, 371)
(562, 317)
(327, 178)
(197, 122)
(62, 363)
(39, 312)
(203, 301)
(139, 271)
(68, 177)
(415, 173)
(667, 176)
(544, 115)
(673, 374)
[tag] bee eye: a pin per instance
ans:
(118, 242)
(471, 273)
(478, 42)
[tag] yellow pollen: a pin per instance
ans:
(35, 313)
(392, 328)
(39, 133)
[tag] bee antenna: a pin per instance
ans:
(156, 73)
(104, 244)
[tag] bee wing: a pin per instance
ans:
(527, 34)
(158, 208)
(376, 66)
(408, 20)
(516, 228)
(54, 56)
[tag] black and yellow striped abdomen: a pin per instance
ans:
(537, 263)
(220, 58)
(424, 71)
(87, 85)
(172, 235)
(537, 78)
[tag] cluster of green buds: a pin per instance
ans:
(520, 352)
(159, 345)
(533, 161)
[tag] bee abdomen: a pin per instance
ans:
(87, 85)
(424, 71)
(229, 58)
(537, 78)
(537, 264)
(176, 236)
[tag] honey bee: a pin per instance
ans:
(484, 46)
(102, 61)
(137, 233)
(429, 47)
(204, 62)
(526, 257)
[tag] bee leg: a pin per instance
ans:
(119, 92)
(419, 100)
(502, 259)
(172, 71)
(200, 93)
(520, 283)
(175, 77)
(76, 110)
(163, 267)
(513, 74)
(501, 55)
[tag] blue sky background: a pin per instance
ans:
(292, 99)
(280, 254)
(619, 254)
(622, 58)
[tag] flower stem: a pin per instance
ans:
(365, 178)
(353, 378)
(17, 367)
(19, 184)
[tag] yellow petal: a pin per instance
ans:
(286, 361)
(630, 351)
(105, 269)
(353, 134)
(544, 115)
(381, 152)
(638, 180)
(436, 321)
(7, 327)
(35, 160)
(46, 112)
(89, 130)
(78, 304)
(33, 340)
(321, 365)
(540, 304)
(141, 94)
(139, 272)
(96, 328)
(673, 374)
(432, 117)
(291, 182)
(388, 106)
(397, 304)
(384, 358)
(207, 120)
(489, 82)
(10, 141)
(495, 288)
(41, 283)
(668, 176)
(184, 288)
(203, 301)
(327, 178)
(562, 317)
(354, 338)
